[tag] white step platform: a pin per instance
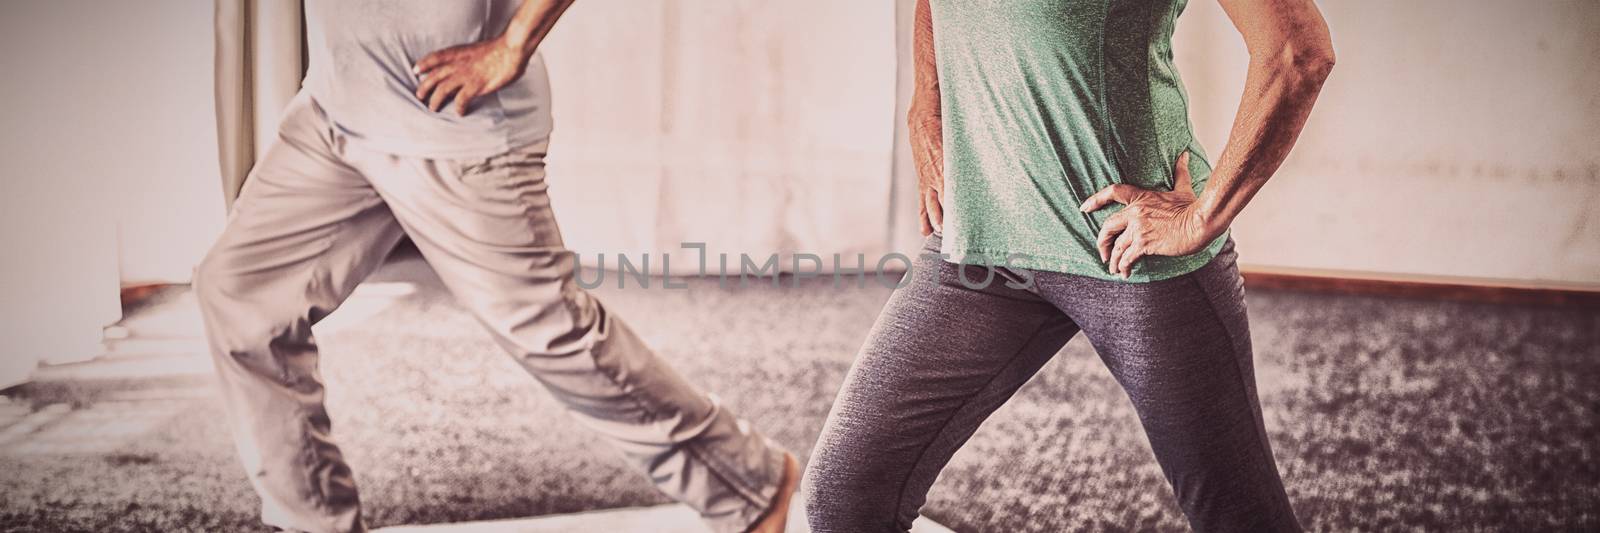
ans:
(658, 519)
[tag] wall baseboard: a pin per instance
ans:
(1414, 286)
(1321, 281)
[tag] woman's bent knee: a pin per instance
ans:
(840, 503)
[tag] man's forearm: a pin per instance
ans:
(532, 22)
(925, 72)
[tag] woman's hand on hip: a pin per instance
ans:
(1153, 223)
(927, 152)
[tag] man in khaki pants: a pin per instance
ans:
(364, 156)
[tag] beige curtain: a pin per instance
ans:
(259, 65)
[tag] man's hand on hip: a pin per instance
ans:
(467, 72)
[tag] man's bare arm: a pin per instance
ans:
(533, 21)
(925, 123)
(471, 70)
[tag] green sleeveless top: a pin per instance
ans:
(1046, 102)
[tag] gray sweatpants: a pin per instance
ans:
(320, 212)
(943, 356)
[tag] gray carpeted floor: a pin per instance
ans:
(1384, 413)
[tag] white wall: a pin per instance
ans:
(107, 132)
(116, 98)
(1454, 138)
(754, 126)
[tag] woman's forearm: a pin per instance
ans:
(532, 22)
(925, 123)
(925, 73)
(1290, 57)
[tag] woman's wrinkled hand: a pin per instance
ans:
(1153, 223)
(927, 152)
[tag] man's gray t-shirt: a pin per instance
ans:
(361, 53)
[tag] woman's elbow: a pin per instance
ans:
(1315, 62)
(1307, 61)
(1312, 58)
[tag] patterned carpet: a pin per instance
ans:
(1384, 414)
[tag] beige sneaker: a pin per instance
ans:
(777, 517)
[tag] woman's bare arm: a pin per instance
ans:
(925, 123)
(1291, 55)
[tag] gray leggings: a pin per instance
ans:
(943, 356)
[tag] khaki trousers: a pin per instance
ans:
(320, 212)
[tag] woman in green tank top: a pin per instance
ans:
(1053, 146)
